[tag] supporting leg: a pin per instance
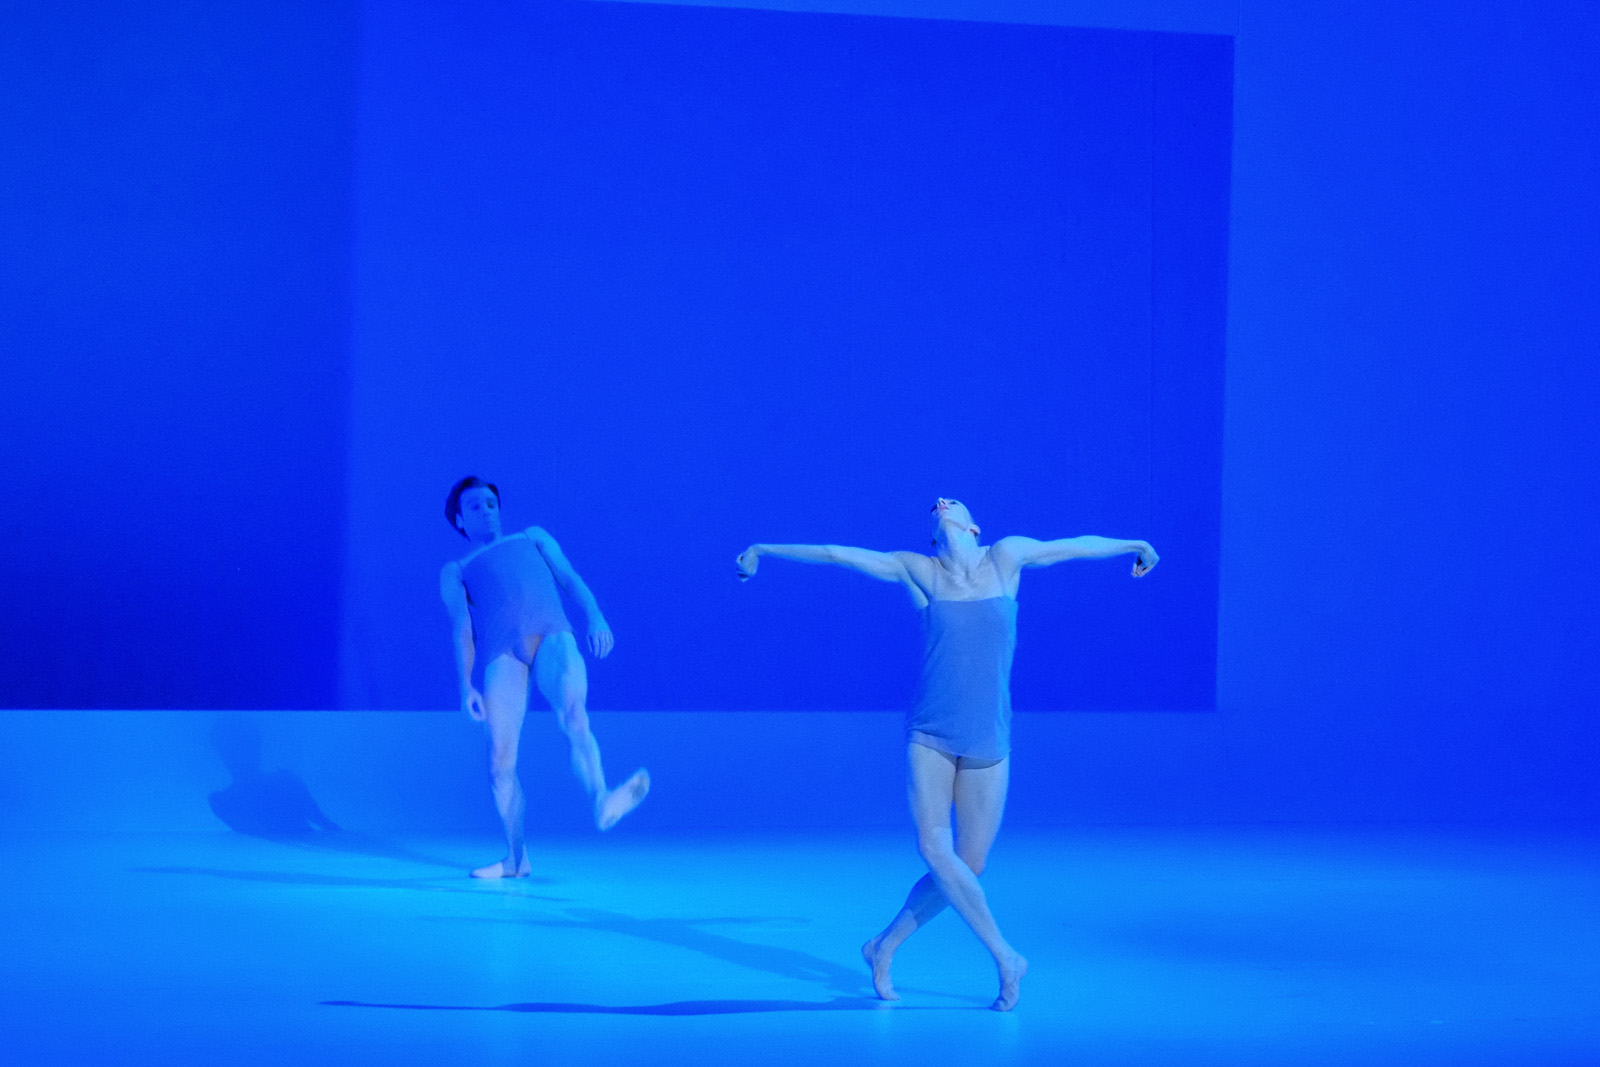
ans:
(977, 792)
(505, 702)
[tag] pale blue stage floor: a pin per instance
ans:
(1148, 946)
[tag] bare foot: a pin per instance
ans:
(502, 869)
(624, 798)
(1011, 972)
(879, 960)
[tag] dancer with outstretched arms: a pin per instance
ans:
(958, 731)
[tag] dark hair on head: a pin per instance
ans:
(452, 503)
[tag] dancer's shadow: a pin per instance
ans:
(688, 933)
(691, 934)
(278, 806)
(679, 1007)
(502, 888)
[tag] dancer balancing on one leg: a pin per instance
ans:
(959, 730)
(506, 617)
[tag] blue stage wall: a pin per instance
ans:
(174, 323)
(1405, 621)
(1412, 381)
(698, 265)
(682, 279)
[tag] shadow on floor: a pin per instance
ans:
(680, 1007)
(277, 805)
(272, 804)
(427, 885)
(351, 843)
(688, 934)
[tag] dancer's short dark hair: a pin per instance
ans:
(452, 503)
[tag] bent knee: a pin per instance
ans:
(935, 848)
(574, 721)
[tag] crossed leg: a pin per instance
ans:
(977, 791)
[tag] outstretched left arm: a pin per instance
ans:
(1029, 552)
(600, 639)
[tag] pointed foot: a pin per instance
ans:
(878, 962)
(624, 798)
(1011, 974)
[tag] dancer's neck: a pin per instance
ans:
(961, 556)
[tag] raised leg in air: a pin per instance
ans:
(564, 681)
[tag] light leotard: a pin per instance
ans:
(963, 705)
(512, 597)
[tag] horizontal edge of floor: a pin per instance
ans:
(423, 772)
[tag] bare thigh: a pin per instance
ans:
(980, 801)
(975, 789)
(560, 673)
(931, 788)
(505, 704)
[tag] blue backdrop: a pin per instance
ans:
(1405, 616)
(679, 279)
(174, 330)
(683, 279)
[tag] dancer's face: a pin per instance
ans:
(480, 514)
(953, 516)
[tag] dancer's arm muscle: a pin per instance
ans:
(898, 567)
(1030, 552)
(454, 594)
(600, 639)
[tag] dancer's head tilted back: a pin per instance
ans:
(958, 734)
(954, 520)
(473, 508)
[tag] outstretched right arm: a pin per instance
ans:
(454, 594)
(895, 567)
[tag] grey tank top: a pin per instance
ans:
(512, 596)
(963, 704)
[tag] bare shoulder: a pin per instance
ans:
(917, 571)
(916, 564)
(918, 574)
(1015, 545)
(1015, 551)
(452, 586)
(553, 556)
(1010, 555)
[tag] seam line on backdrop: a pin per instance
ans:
(1150, 325)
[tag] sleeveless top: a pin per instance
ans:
(512, 596)
(963, 705)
